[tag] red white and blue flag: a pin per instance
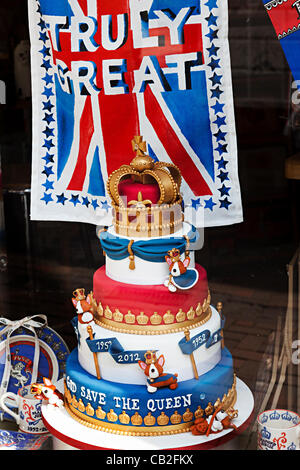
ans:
(104, 71)
(285, 17)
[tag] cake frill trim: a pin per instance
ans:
(146, 425)
(155, 324)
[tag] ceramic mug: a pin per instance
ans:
(29, 415)
(278, 430)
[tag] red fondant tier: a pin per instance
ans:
(154, 301)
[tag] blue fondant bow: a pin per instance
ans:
(150, 250)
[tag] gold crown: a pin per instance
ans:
(129, 317)
(79, 294)
(136, 419)
(89, 410)
(187, 416)
(142, 319)
(176, 418)
(168, 317)
(124, 418)
(155, 319)
(162, 419)
(112, 416)
(81, 406)
(100, 413)
(144, 169)
(117, 315)
(149, 420)
(150, 357)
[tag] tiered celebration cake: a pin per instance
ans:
(151, 358)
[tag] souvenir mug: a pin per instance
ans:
(278, 430)
(29, 415)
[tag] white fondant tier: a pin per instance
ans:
(166, 344)
(146, 272)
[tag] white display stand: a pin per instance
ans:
(68, 434)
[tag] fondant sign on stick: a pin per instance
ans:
(105, 71)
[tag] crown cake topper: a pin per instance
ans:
(143, 169)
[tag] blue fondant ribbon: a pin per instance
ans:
(116, 350)
(204, 337)
(154, 250)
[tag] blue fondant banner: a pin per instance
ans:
(205, 337)
(115, 349)
(104, 71)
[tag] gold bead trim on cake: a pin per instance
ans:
(145, 425)
(155, 324)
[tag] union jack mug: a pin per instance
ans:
(278, 430)
(28, 415)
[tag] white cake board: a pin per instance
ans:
(68, 434)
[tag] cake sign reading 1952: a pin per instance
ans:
(111, 40)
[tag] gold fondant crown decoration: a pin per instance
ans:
(79, 294)
(143, 169)
(150, 357)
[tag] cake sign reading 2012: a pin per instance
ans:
(118, 42)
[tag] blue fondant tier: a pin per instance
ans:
(131, 409)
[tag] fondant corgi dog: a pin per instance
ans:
(215, 423)
(153, 369)
(181, 276)
(48, 391)
(83, 308)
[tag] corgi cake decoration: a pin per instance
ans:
(153, 369)
(83, 305)
(47, 391)
(181, 276)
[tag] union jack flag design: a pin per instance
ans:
(103, 72)
(285, 17)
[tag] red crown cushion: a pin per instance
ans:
(130, 190)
